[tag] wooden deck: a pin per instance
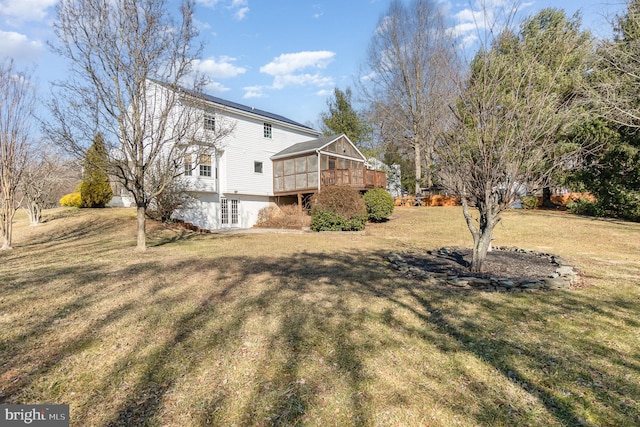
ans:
(362, 179)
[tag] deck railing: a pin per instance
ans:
(360, 178)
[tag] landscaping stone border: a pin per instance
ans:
(564, 277)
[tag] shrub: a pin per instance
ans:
(529, 202)
(72, 200)
(585, 207)
(95, 188)
(338, 208)
(288, 216)
(379, 204)
(173, 198)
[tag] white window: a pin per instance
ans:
(267, 130)
(188, 166)
(257, 167)
(209, 121)
(205, 165)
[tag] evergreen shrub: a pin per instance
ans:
(338, 208)
(72, 200)
(379, 204)
(529, 202)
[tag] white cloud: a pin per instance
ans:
(18, 46)
(288, 69)
(483, 18)
(254, 92)
(288, 63)
(324, 92)
(26, 10)
(239, 8)
(241, 13)
(220, 68)
(215, 87)
(280, 82)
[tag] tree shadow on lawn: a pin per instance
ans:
(321, 303)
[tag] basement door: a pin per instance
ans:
(230, 212)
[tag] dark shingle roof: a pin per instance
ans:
(237, 106)
(305, 147)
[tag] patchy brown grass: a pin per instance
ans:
(315, 329)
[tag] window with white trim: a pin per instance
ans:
(209, 121)
(257, 167)
(188, 166)
(268, 130)
(205, 165)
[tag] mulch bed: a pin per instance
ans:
(499, 263)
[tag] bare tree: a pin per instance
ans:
(129, 61)
(509, 116)
(46, 177)
(17, 103)
(408, 78)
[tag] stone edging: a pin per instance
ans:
(564, 276)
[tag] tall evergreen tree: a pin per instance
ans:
(95, 189)
(613, 174)
(343, 118)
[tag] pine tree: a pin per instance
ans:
(95, 188)
(342, 118)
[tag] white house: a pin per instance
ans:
(266, 159)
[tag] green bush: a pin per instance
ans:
(586, 207)
(95, 188)
(529, 202)
(379, 204)
(338, 208)
(72, 200)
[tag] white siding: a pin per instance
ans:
(248, 145)
(234, 158)
(203, 212)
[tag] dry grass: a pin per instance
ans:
(315, 329)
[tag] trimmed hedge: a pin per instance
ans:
(379, 204)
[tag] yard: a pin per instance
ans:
(315, 329)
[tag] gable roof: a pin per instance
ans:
(237, 106)
(312, 146)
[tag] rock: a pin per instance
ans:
(531, 285)
(556, 283)
(507, 283)
(565, 270)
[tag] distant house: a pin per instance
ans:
(267, 160)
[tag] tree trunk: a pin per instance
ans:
(482, 234)
(142, 234)
(546, 198)
(418, 160)
(481, 244)
(35, 213)
(6, 216)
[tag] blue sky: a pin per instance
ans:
(283, 56)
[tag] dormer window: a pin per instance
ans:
(267, 130)
(209, 121)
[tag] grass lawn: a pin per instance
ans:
(315, 329)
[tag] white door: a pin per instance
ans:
(229, 212)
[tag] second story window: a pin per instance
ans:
(257, 167)
(205, 165)
(188, 166)
(209, 121)
(267, 130)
